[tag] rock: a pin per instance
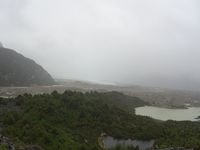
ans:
(6, 141)
(33, 147)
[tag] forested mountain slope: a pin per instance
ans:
(75, 121)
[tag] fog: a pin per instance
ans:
(133, 42)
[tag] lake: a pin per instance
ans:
(169, 114)
(110, 142)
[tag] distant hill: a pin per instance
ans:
(17, 70)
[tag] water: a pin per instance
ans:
(164, 114)
(110, 142)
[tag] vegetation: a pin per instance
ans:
(3, 147)
(75, 120)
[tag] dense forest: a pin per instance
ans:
(75, 121)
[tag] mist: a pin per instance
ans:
(132, 42)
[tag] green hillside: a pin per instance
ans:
(74, 121)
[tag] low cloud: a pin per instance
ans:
(152, 43)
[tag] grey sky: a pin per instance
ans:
(148, 42)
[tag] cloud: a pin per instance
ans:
(126, 41)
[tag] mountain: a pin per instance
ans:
(17, 70)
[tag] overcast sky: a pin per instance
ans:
(145, 42)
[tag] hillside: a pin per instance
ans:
(17, 70)
(75, 121)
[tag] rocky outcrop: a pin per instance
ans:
(10, 146)
(7, 143)
(32, 147)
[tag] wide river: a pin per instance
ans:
(169, 114)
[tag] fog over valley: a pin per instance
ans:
(126, 42)
(99, 75)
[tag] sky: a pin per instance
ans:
(132, 42)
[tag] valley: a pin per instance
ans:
(160, 97)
